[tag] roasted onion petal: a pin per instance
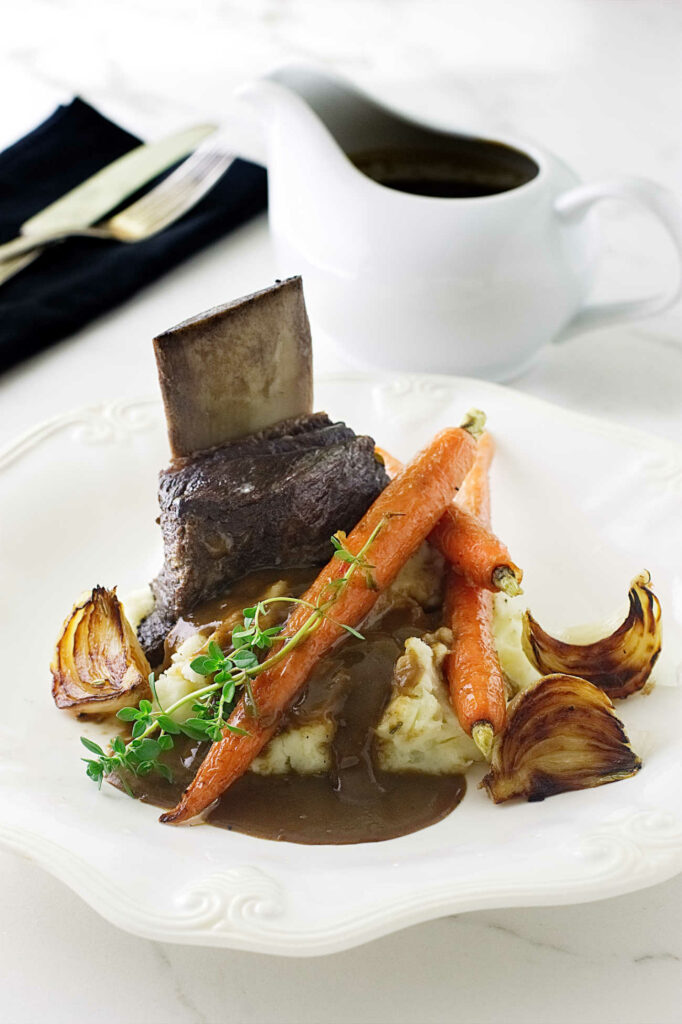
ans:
(620, 663)
(562, 733)
(98, 665)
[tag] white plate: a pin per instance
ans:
(583, 505)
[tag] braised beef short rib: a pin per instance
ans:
(271, 499)
(257, 480)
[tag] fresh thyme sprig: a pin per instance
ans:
(232, 672)
(359, 561)
(141, 754)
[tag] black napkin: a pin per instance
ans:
(73, 282)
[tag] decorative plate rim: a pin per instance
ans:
(106, 420)
(233, 908)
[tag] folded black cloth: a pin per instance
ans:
(75, 281)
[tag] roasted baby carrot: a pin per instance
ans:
(388, 534)
(467, 544)
(473, 670)
(392, 465)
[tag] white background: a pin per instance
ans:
(598, 81)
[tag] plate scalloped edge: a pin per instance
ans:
(239, 908)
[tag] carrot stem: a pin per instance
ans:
(474, 422)
(483, 736)
(505, 579)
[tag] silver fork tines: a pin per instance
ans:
(173, 197)
(166, 203)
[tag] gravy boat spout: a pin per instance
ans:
(322, 116)
(297, 141)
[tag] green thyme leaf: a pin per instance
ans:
(144, 750)
(237, 731)
(215, 651)
(203, 665)
(168, 725)
(344, 556)
(128, 714)
(96, 772)
(192, 733)
(197, 724)
(93, 747)
(139, 727)
(244, 659)
(241, 637)
(118, 746)
(353, 632)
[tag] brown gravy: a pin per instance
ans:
(354, 801)
(467, 169)
(226, 610)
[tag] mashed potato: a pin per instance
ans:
(305, 750)
(420, 580)
(507, 624)
(137, 605)
(179, 679)
(419, 731)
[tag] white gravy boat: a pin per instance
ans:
(471, 285)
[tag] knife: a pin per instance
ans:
(95, 197)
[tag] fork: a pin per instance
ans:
(163, 205)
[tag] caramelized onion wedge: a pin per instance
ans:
(562, 733)
(98, 665)
(619, 664)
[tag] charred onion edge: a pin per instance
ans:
(562, 710)
(619, 664)
(125, 680)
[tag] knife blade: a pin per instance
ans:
(89, 201)
(92, 199)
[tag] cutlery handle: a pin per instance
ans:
(11, 267)
(27, 243)
(574, 204)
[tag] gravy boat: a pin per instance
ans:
(399, 280)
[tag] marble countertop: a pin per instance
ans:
(598, 81)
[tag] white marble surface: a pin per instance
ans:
(598, 81)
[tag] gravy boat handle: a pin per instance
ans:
(574, 204)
